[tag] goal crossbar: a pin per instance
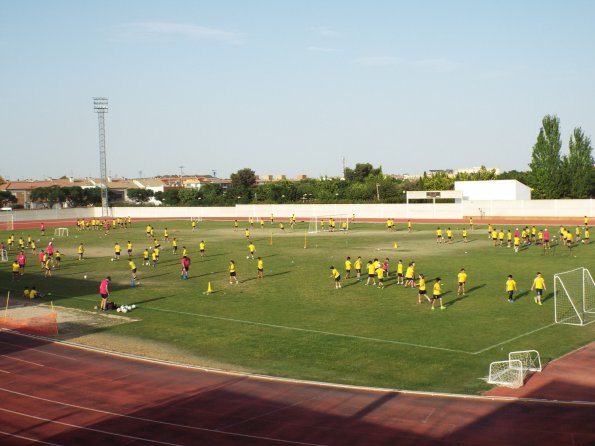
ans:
(574, 297)
(321, 223)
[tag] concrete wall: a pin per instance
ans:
(496, 208)
(493, 190)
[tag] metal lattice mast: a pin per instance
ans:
(100, 105)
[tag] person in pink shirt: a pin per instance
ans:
(50, 250)
(185, 267)
(22, 260)
(104, 292)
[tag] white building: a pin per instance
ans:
(493, 190)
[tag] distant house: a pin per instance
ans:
(22, 189)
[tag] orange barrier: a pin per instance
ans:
(46, 325)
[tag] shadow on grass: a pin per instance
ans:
(521, 295)
(151, 300)
(476, 287)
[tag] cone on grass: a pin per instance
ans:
(209, 288)
(395, 245)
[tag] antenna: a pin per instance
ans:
(181, 171)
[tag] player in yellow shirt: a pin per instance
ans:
(587, 235)
(539, 287)
(193, 225)
(129, 248)
(449, 235)
(380, 274)
(251, 221)
(437, 293)
(400, 273)
(422, 290)
(132, 269)
(81, 251)
(174, 246)
(569, 237)
(233, 277)
(236, 225)
(259, 269)
(490, 229)
(166, 235)
(117, 251)
(201, 247)
(577, 232)
(251, 248)
(495, 237)
(471, 222)
(47, 266)
(154, 259)
(462, 280)
(148, 231)
(517, 244)
(509, 239)
(409, 227)
(510, 288)
(34, 293)
(335, 275)
(439, 237)
(465, 235)
(410, 275)
(58, 259)
(26, 293)
(146, 257)
(247, 233)
(184, 251)
(16, 271)
(358, 268)
(501, 237)
(348, 268)
(371, 273)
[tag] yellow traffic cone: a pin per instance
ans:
(209, 289)
(395, 245)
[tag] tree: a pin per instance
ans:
(483, 174)
(92, 195)
(7, 198)
(74, 196)
(140, 195)
(188, 196)
(546, 165)
(437, 181)
(243, 179)
(579, 165)
(169, 197)
(361, 172)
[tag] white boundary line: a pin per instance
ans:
(342, 335)
(34, 440)
(307, 382)
(131, 417)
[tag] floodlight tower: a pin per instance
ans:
(100, 105)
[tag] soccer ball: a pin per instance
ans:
(133, 306)
(124, 310)
(118, 309)
(85, 276)
(247, 257)
(112, 260)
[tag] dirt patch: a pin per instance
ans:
(88, 328)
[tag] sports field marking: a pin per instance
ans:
(131, 417)
(33, 440)
(513, 339)
(343, 335)
(4, 371)
(22, 360)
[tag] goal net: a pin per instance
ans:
(329, 223)
(512, 373)
(3, 255)
(507, 373)
(61, 232)
(6, 221)
(574, 297)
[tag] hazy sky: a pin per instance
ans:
(288, 87)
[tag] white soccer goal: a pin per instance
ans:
(530, 359)
(320, 223)
(574, 297)
(6, 221)
(3, 255)
(507, 373)
(60, 232)
(195, 219)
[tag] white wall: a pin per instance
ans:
(493, 190)
(494, 208)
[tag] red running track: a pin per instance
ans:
(55, 394)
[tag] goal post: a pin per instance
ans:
(197, 219)
(60, 232)
(6, 221)
(507, 373)
(3, 255)
(530, 359)
(574, 297)
(323, 223)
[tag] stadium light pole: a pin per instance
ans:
(100, 106)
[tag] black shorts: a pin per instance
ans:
(337, 279)
(510, 293)
(104, 296)
(399, 274)
(129, 251)
(380, 279)
(347, 271)
(422, 292)
(133, 271)
(461, 283)
(371, 275)
(436, 296)
(232, 274)
(260, 270)
(358, 270)
(539, 292)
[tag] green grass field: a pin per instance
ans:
(294, 323)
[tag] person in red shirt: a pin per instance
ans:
(21, 260)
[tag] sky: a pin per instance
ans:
(288, 87)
